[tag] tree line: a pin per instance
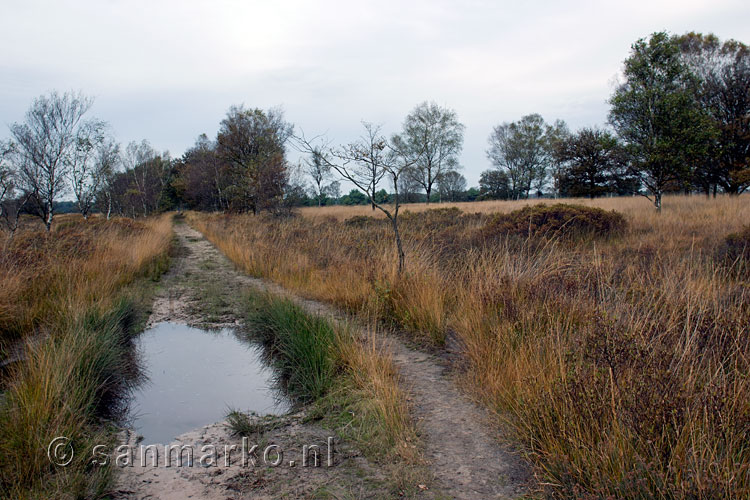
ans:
(679, 121)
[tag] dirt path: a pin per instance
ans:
(463, 454)
(203, 289)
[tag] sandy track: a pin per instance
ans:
(463, 453)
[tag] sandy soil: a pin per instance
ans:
(465, 456)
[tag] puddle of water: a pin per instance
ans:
(193, 377)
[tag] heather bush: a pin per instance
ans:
(556, 221)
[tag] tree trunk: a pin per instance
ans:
(48, 217)
(399, 246)
(657, 201)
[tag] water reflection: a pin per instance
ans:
(193, 376)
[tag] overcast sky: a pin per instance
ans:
(167, 71)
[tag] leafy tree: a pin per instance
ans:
(494, 185)
(203, 177)
(252, 141)
(593, 159)
(435, 136)
(557, 135)
(723, 72)
(521, 149)
(451, 184)
(472, 194)
(355, 197)
(319, 172)
(656, 113)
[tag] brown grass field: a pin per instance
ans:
(621, 362)
(67, 310)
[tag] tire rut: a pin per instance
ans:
(464, 452)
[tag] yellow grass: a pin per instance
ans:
(48, 278)
(61, 298)
(623, 364)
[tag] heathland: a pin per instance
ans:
(70, 300)
(614, 345)
(608, 342)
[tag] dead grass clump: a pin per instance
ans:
(46, 278)
(735, 249)
(364, 221)
(556, 221)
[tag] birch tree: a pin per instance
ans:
(319, 171)
(434, 136)
(87, 171)
(521, 149)
(108, 163)
(12, 201)
(136, 155)
(656, 114)
(45, 148)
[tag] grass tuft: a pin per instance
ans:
(301, 346)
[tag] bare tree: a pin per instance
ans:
(45, 145)
(435, 136)
(12, 200)
(7, 174)
(364, 163)
(333, 190)
(108, 162)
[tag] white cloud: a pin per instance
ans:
(168, 70)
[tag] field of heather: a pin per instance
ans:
(614, 346)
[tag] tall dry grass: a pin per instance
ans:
(622, 363)
(48, 279)
(65, 321)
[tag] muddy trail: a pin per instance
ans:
(464, 457)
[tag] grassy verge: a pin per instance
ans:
(79, 304)
(350, 383)
(622, 363)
